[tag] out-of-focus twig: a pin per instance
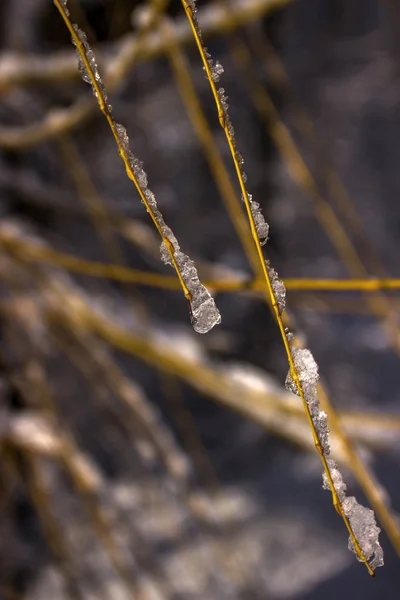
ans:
(57, 121)
(17, 68)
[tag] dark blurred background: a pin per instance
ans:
(139, 459)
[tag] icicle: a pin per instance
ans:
(135, 164)
(239, 158)
(321, 425)
(223, 99)
(362, 521)
(215, 67)
(204, 313)
(307, 373)
(216, 70)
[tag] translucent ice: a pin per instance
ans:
(278, 288)
(93, 66)
(216, 71)
(365, 529)
(203, 311)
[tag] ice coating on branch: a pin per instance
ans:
(262, 226)
(64, 5)
(337, 479)
(289, 334)
(216, 70)
(203, 311)
(93, 66)
(362, 519)
(366, 531)
(307, 374)
(135, 164)
(278, 287)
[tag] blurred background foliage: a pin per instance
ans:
(138, 459)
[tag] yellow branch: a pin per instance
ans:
(268, 283)
(35, 252)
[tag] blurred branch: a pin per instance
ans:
(19, 70)
(40, 253)
(265, 402)
(183, 357)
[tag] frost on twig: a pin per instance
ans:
(362, 519)
(262, 226)
(303, 372)
(203, 311)
(86, 76)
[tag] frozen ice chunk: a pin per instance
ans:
(205, 316)
(216, 70)
(165, 255)
(307, 373)
(261, 224)
(135, 164)
(365, 529)
(231, 131)
(278, 288)
(203, 311)
(289, 334)
(320, 421)
(337, 480)
(362, 519)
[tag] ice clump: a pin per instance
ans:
(203, 311)
(362, 519)
(278, 287)
(216, 70)
(93, 66)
